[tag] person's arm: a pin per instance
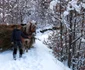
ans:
(12, 37)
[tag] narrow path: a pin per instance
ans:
(38, 58)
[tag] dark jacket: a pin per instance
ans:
(17, 34)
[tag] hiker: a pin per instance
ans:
(29, 29)
(16, 40)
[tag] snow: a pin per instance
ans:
(33, 22)
(53, 4)
(38, 58)
(53, 19)
(82, 40)
(73, 3)
(65, 13)
(83, 5)
(1, 15)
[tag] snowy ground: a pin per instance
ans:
(37, 58)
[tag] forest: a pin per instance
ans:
(67, 18)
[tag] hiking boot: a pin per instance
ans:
(20, 56)
(14, 57)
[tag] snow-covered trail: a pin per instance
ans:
(37, 58)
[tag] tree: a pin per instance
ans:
(71, 34)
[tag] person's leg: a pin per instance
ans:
(20, 52)
(14, 53)
(15, 50)
(20, 49)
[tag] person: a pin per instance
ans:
(16, 40)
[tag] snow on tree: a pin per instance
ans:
(69, 14)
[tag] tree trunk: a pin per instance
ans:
(61, 32)
(70, 40)
(3, 12)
